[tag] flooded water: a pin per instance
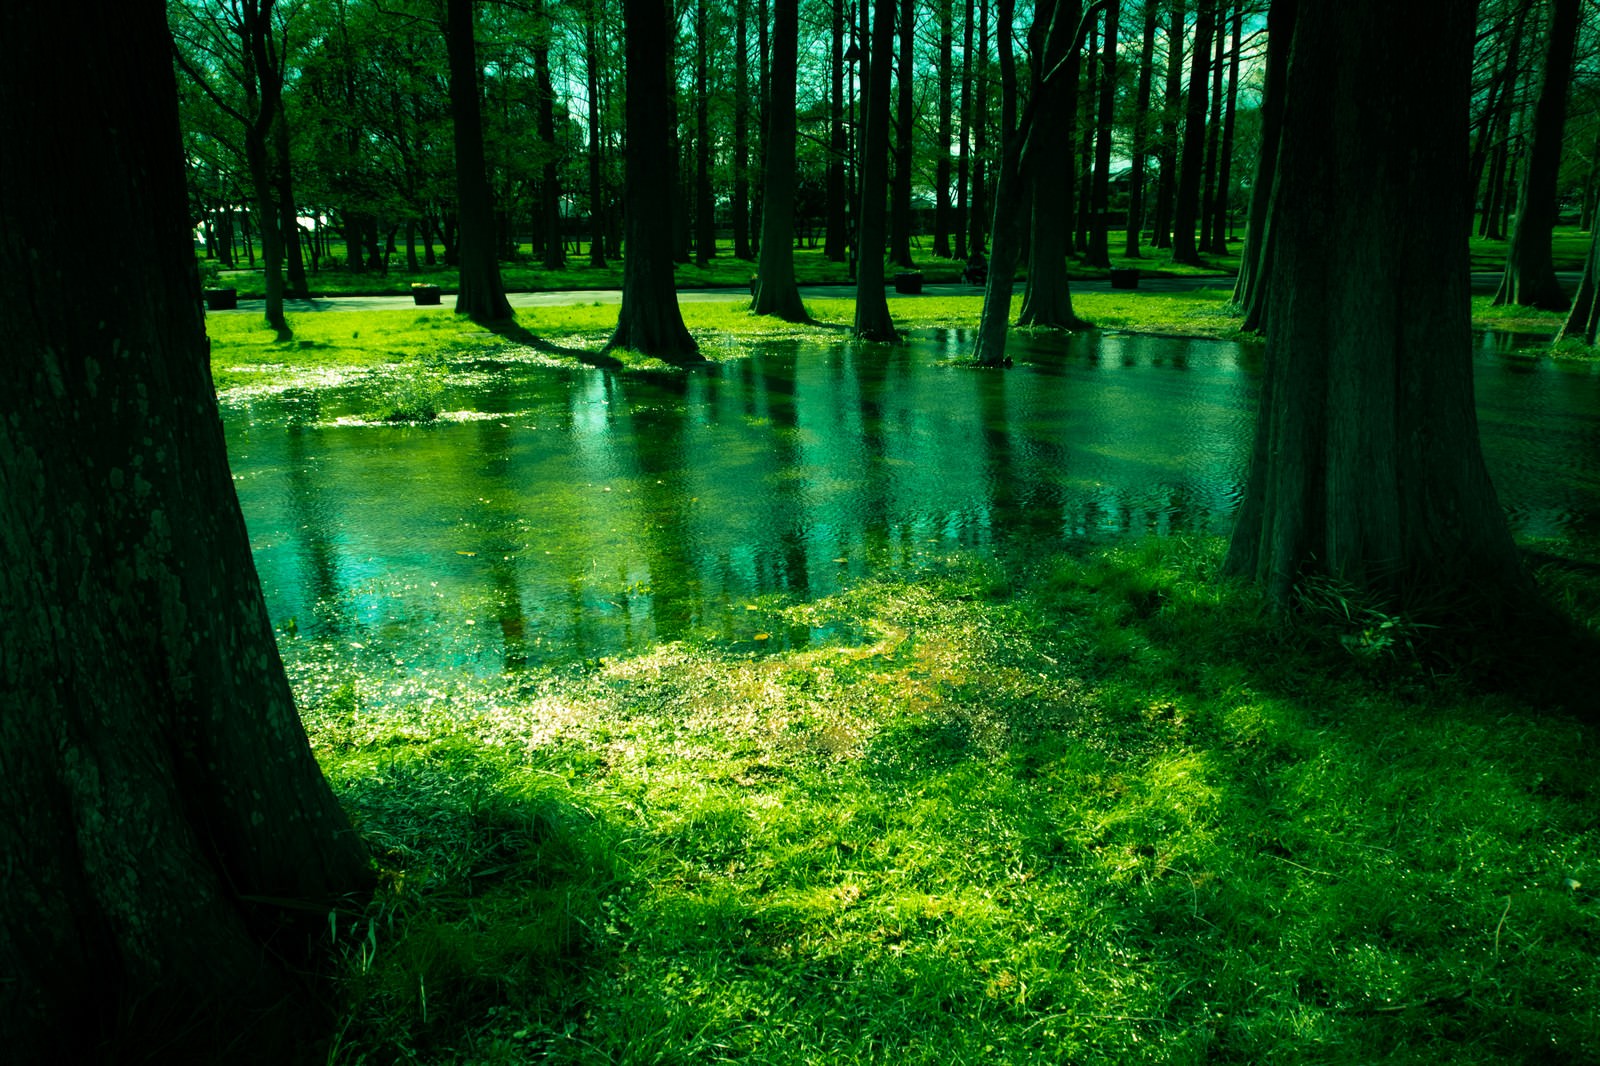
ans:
(567, 513)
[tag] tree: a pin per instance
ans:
(1250, 287)
(649, 320)
(776, 293)
(591, 54)
(1186, 206)
(555, 248)
(741, 134)
(1583, 320)
(904, 136)
(482, 295)
(1171, 110)
(165, 827)
(1098, 251)
(945, 10)
(872, 304)
(1530, 273)
(1141, 131)
(1366, 464)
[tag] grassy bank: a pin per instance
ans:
(1097, 811)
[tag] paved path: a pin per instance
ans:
(1481, 283)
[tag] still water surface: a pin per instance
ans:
(566, 513)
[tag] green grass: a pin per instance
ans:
(1097, 811)
(1568, 248)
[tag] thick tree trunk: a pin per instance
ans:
(904, 140)
(165, 828)
(555, 248)
(1530, 274)
(1099, 251)
(597, 196)
(1583, 320)
(1141, 131)
(872, 303)
(1187, 205)
(482, 295)
(1250, 287)
(649, 320)
(1366, 463)
(1047, 298)
(1172, 108)
(776, 293)
(941, 180)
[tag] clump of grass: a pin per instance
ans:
(1103, 809)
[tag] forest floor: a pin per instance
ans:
(1098, 808)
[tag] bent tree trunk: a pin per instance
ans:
(482, 295)
(1366, 463)
(649, 320)
(164, 824)
(776, 293)
(1530, 273)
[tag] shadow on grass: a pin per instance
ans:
(512, 331)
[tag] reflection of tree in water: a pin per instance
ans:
(310, 504)
(494, 450)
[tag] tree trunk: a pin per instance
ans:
(905, 137)
(1220, 217)
(1208, 194)
(1141, 131)
(964, 161)
(1083, 173)
(482, 296)
(872, 303)
(1187, 205)
(649, 320)
(977, 205)
(837, 238)
(776, 293)
(1172, 107)
(1530, 274)
(1366, 464)
(172, 850)
(1500, 127)
(705, 220)
(1047, 299)
(263, 102)
(941, 180)
(1099, 251)
(1250, 288)
(555, 248)
(597, 195)
(1583, 320)
(294, 264)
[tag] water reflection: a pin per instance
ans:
(597, 513)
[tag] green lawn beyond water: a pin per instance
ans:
(1095, 811)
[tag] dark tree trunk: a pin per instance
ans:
(1366, 463)
(776, 293)
(482, 296)
(1530, 273)
(1186, 208)
(705, 220)
(171, 848)
(1083, 173)
(1250, 288)
(1172, 108)
(977, 205)
(649, 320)
(597, 195)
(1099, 251)
(1141, 131)
(263, 104)
(1583, 320)
(1047, 299)
(872, 303)
(904, 139)
(681, 202)
(836, 245)
(1208, 193)
(741, 135)
(941, 180)
(1499, 127)
(1222, 213)
(964, 164)
(763, 49)
(294, 264)
(555, 248)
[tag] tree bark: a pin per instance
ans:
(1172, 106)
(1366, 464)
(161, 815)
(964, 162)
(1187, 205)
(941, 180)
(1047, 298)
(1583, 320)
(1250, 288)
(872, 303)
(741, 133)
(836, 244)
(482, 295)
(905, 138)
(649, 320)
(597, 196)
(1224, 203)
(1530, 274)
(555, 248)
(1141, 132)
(977, 205)
(705, 221)
(1208, 193)
(1099, 251)
(263, 103)
(776, 292)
